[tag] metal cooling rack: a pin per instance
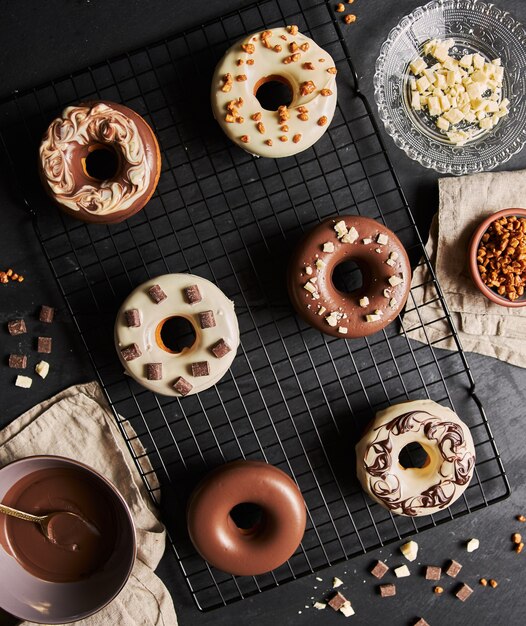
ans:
(293, 397)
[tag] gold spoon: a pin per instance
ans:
(44, 521)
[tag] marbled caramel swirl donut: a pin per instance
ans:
(78, 132)
(416, 491)
(287, 56)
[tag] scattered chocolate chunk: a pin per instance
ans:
(207, 319)
(421, 622)
(387, 590)
(221, 348)
(154, 371)
(337, 601)
(131, 352)
(453, 569)
(157, 294)
(201, 368)
(18, 361)
(433, 572)
(192, 294)
(44, 345)
(133, 318)
(379, 570)
(16, 327)
(47, 313)
(463, 592)
(182, 386)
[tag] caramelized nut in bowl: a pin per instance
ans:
(43, 579)
(497, 257)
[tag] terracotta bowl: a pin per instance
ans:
(30, 598)
(472, 258)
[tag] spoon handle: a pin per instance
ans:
(20, 514)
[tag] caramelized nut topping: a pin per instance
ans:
(307, 87)
(326, 92)
(296, 138)
(249, 48)
(322, 121)
(260, 127)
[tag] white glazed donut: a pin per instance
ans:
(285, 55)
(416, 491)
(143, 352)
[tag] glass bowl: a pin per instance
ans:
(475, 27)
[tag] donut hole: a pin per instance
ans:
(101, 163)
(273, 92)
(175, 334)
(413, 455)
(348, 277)
(247, 517)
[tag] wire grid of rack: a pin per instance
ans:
(293, 397)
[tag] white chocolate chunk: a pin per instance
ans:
(395, 280)
(472, 545)
(343, 331)
(418, 65)
(328, 246)
(409, 550)
(387, 293)
(308, 270)
(351, 236)
(321, 310)
(364, 302)
(367, 241)
(42, 368)
(393, 255)
(320, 264)
(393, 302)
(332, 319)
(382, 239)
(23, 381)
(309, 287)
(340, 228)
(372, 317)
(402, 571)
(319, 605)
(336, 582)
(347, 609)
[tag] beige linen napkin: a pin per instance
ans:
(483, 326)
(78, 423)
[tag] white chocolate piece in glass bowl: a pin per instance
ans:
(416, 491)
(143, 351)
(283, 55)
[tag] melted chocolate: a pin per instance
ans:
(78, 546)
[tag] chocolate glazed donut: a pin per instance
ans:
(382, 260)
(265, 546)
(131, 167)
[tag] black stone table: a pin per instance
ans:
(42, 40)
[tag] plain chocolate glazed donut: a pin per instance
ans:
(253, 551)
(382, 260)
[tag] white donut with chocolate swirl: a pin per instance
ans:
(445, 473)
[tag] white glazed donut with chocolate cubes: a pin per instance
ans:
(287, 57)
(149, 349)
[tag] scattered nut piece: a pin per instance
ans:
(293, 29)
(402, 571)
(438, 590)
(483, 582)
(249, 48)
(308, 66)
(256, 117)
(42, 368)
(323, 120)
(493, 583)
(332, 70)
(409, 550)
(296, 138)
(326, 92)
(245, 138)
(260, 127)
(521, 518)
(340, 7)
(283, 138)
(349, 19)
(241, 78)
(516, 538)
(307, 87)
(519, 547)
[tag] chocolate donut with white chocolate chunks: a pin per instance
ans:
(281, 55)
(100, 162)
(415, 491)
(385, 269)
(152, 360)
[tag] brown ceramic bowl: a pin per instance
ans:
(31, 598)
(472, 258)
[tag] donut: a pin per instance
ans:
(142, 346)
(382, 261)
(416, 491)
(280, 55)
(267, 544)
(127, 153)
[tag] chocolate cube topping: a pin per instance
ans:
(157, 294)
(379, 570)
(18, 361)
(221, 349)
(47, 313)
(207, 319)
(192, 294)
(154, 371)
(200, 368)
(44, 345)
(182, 386)
(133, 318)
(131, 352)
